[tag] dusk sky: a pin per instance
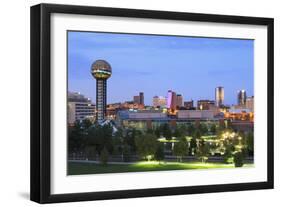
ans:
(154, 64)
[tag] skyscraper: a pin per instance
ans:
(219, 96)
(172, 100)
(169, 98)
(101, 71)
(250, 103)
(141, 95)
(241, 97)
(179, 100)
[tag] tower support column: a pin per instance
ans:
(100, 99)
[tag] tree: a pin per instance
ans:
(106, 132)
(157, 132)
(149, 131)
(193, 142)
(91, 152)
(203, 150)
(130, 137)
(213, 129)
(104, 156)
(178, 132)
(86, 124)
(180, 148)
(159, 154)
(146, 145)
(250, 143)
(190, 129)
(166, 131)
(117, 142)
(100, 137)
(203, 128)
(126, 153)
(76, 139)
(192, 146)
(228, 153)
(197, 134)
(238, 159)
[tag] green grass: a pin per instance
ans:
(91, 168)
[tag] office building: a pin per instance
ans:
(151, 119)
(172, 100)
(139, 99)
(241, 97)
(250, 103)
(205, 104)
(79, 108)
(197, 114)
(101, 71)
(189, 104)
(219, 96)
(159, 101)
(179, 100)
(136, 99)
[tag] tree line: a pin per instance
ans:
(99, 141)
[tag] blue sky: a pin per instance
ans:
(155, 64)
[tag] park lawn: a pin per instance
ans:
(75, 168)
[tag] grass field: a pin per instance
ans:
(93, 168)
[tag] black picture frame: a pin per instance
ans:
(41, 96)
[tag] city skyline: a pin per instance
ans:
(134, 58)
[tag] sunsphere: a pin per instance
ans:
(101, 71)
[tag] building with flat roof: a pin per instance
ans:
(79, 108)
(145, 119)
(139, 99)
(189, 104)
(172, 100)
(197, 114)
(205, 104)
(219, 96)
(136, 99)
(250, 103)
(241, 97)
(159, 101)
(179, 100)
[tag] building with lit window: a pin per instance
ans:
(197, 114)
(172, 101)
(101, 71)
(139, 99)
(219, 96)
(189, 104)
(241, 97)
(151, 119)
(136, 99)
(79, 108)
(205, 104)
(179, 100)
(159, 101)
(250, 103)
